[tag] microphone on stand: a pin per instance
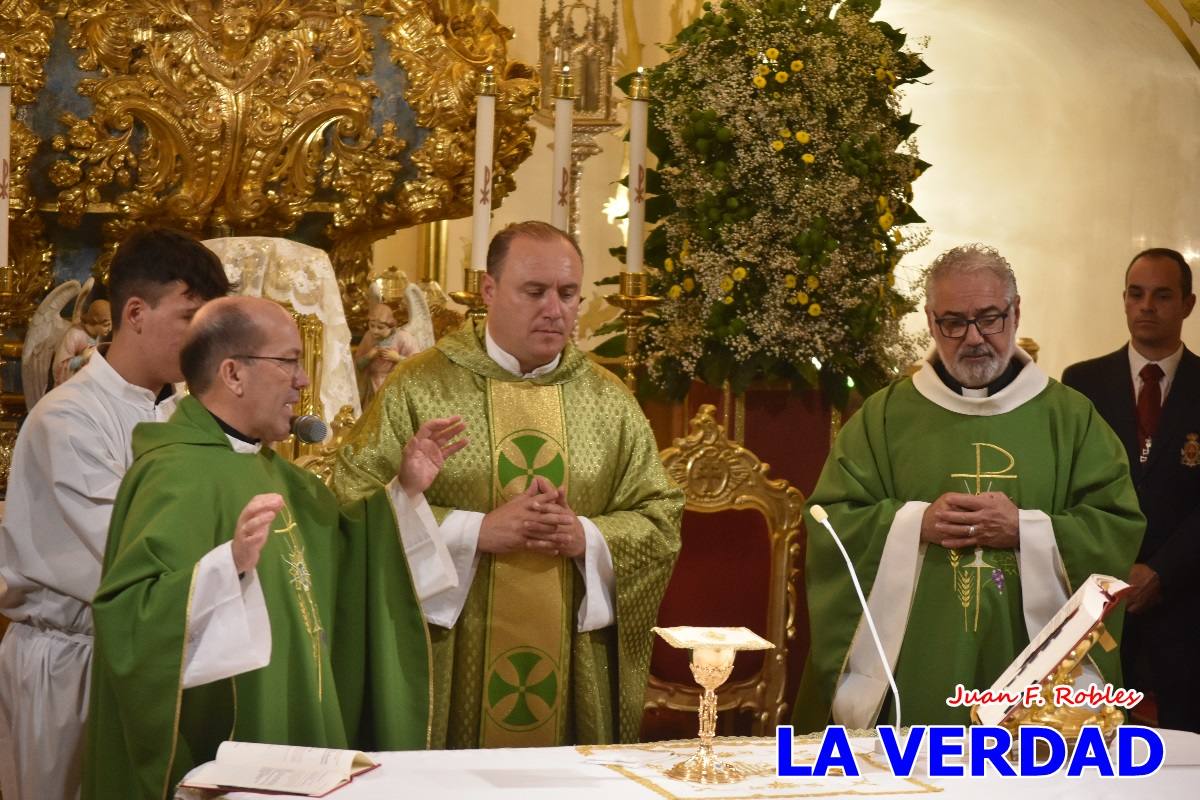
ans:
(819, 514)
(309, 428)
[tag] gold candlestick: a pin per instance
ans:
(635, 302)
(713, 651)
(471, 295)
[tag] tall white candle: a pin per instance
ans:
(5, 166)
(639, 95)
(485, 126)
(564, 120)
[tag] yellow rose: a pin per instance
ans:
(739, 274)
(808, 158)
(776, 145)
(675, 291)
(797, 65)
(727, 300)
(802, 137)
(781, 77)
(688, 284)
(784, 133)
(772, 53)
(726, 284)
(763, 70)
(886, 220)
(790, 281)
(759, 82)
(877, 246)
(792, 300)
(801, 298)
(881, 74)
(814, 310)
(812, 283)
(897, 236)
(881, 203)
(668, 265)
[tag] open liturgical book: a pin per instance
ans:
(312, 771)
(1083, 612)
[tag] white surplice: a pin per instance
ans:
(69, 459)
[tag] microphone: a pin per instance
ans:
(822, 518)
(309, 428)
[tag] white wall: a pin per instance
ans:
(1065, 133)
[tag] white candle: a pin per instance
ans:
(564, 120)
(485, 125)
(5, 165)
(639, 96)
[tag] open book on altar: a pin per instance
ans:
(312, 771)
(1082, 614)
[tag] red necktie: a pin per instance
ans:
(1149, 406)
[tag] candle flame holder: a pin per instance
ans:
(471, 295)
(635, 303)
(713, 651)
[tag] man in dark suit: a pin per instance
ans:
(1149, 392)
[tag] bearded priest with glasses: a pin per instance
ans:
(973, 498)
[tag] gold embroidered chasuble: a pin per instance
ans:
(579, 427)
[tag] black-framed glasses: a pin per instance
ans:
(986, 324)
(290, 363)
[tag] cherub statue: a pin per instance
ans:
(46, 330)
(389, 341)
(80, 340)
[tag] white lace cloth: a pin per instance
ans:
(303, 277)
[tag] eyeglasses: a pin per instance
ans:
(290, 364)
(986, 324)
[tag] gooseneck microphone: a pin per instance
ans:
(309, 428)
(822, 518)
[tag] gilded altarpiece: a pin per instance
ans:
(332, 122)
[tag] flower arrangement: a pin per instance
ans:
(784, 173)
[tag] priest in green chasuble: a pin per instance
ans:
(973, 499)
(237, 600)
(561, 523)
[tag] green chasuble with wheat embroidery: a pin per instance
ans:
(579, 427)
(349, 661)
(945, 616)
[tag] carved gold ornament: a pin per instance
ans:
(26, 31)
(250, 115)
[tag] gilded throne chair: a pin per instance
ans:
(737, 567)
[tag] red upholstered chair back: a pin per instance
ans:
(741, 533)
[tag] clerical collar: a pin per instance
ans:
(1005, 378)
(234, 433)
(510, 363)
(1028, 383)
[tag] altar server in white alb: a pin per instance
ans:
(69, 459)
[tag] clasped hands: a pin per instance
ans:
(957, 520)
(422, 460)
(538, 519)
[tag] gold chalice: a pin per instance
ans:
(713, 651)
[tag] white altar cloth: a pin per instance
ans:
(618, 772)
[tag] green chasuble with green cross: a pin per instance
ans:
(580, 428)
(957, 616)
(349, 655)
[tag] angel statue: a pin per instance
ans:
(387, 341)
(80, 340)
(46, 331)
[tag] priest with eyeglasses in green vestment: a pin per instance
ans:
(238, 600)
(973, 499)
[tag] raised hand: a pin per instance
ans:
(253, 527)
(427, 451)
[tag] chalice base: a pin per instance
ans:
(704, 768)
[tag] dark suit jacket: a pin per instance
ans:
(1168, 486)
